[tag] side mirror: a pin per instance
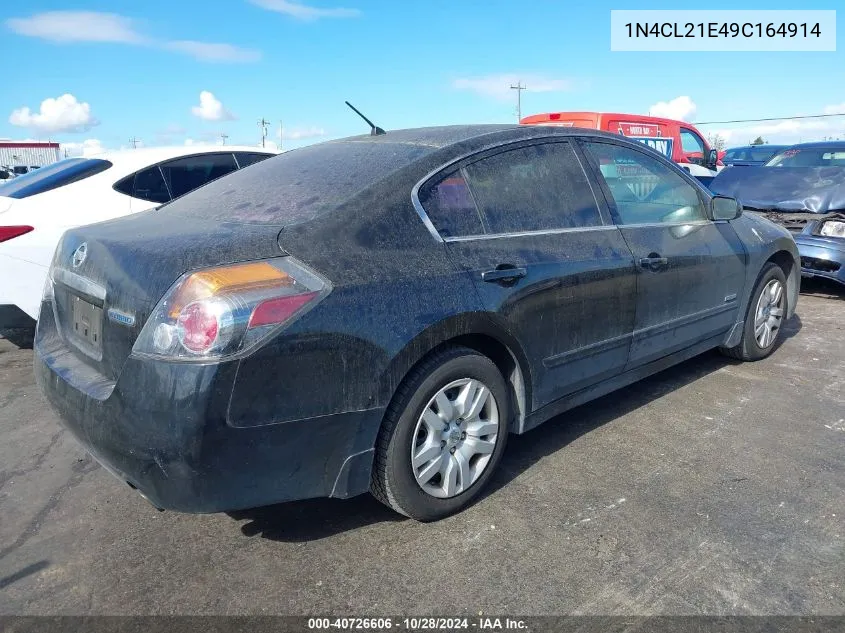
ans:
(724, 208)
(713, 158)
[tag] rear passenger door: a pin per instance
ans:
(546, 260)
(691, 270)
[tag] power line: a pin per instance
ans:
(776, 118)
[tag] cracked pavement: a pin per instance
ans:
(714, 487)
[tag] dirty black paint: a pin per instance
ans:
(298, 417)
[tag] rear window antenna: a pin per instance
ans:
(374, 129)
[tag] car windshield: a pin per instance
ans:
(53, 176)
(811, 157)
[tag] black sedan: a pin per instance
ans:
(379, 313)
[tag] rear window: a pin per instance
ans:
(300, 184)
(811, 157)
(53, 176)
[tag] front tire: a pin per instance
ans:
(765, 316)
(443, 435)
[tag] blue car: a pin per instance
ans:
(803, 189)
(751, 155)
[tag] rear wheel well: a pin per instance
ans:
(507, 363)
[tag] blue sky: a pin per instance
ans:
(138, 69)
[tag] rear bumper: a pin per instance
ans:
(21, 285)
(822, 257)
(162, 429)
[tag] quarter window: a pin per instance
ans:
(645, 191)
(450, 207)
(147, 184)
(248, 158)
(186, 174)
(533, 188)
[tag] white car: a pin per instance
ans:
(38, 207)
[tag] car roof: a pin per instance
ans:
(764, 146)
(132, 159)
(819, 145)
(444, 136)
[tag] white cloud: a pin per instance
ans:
(63, 114)
(302, 133)
(499, 86)
(782, 132)
(679, 108)
(90, 26)
(211, 109)
(304, 12)
(88, 147)
(209, 52)
(77, 26)
(835, 109)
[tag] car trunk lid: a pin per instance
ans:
(108, 277)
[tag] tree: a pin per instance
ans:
(716, 141)
(758, 141)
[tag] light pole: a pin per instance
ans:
(519, 88)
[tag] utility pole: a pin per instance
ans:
(263, 125)
(519, 88)
(223, 137)
(134, 142)
(281, 132)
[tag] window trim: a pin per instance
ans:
(458, 164)
(703, 196)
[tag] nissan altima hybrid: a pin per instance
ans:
(379, 313)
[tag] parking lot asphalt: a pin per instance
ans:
(715, 487)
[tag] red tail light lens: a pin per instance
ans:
(8, 232)
(197, 327)
(226, 311)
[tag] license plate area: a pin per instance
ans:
(86, 326)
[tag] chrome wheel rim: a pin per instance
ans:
(769, 314)
(454, 438)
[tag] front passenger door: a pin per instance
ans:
(691, 271)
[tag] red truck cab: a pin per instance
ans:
(677, 140)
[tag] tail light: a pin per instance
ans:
(226, 311)
(8, 232)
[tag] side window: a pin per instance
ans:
(450, 207)
(147, 184)
(533, 188)
(245, 159)
(693, 146)
(645, 191)
(186, 174)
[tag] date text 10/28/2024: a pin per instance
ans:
(418, 624)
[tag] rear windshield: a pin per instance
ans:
(53, 176)
(300, 184)
(811, 157)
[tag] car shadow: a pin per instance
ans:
(316, 519)
(313, 519)
(822, 288)
(22, 338)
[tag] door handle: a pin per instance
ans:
(504, 274)
(654, 261)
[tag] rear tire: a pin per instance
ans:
(443, 435)
(764, 318)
